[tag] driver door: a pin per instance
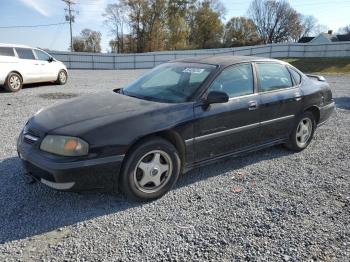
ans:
(48, 68)
(225, 128)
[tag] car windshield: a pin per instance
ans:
(170, 82)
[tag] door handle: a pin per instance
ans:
(253, 105)
(297, 96)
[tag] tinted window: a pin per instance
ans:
(7, 51)
(41, 55)
(273, 76)
(167, 77)
(170, 82)
(25, 53)
(296, 76)
(235, 81)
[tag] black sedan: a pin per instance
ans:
(181, 115)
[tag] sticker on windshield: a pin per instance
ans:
(193, 70)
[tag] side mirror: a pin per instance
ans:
(215, 97)
(50, 59)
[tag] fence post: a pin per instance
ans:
(114, 63)
(288, 50)
(134, 61)
(93, 64)
(270, 51)
(154, 60)
(69, 61)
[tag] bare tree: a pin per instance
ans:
(276, 21)
(92, 40)
(346, 30)
(116, 17)
(309, 24)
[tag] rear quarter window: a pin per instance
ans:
(25, 53)
(295, 75)
(7, 51)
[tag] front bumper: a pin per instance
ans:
(325, 112)
(69, 174)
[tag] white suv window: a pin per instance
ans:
(7, 51)
(25, 53)
(42, 55)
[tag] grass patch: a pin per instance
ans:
(321, 65)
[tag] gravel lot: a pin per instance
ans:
(270, 205)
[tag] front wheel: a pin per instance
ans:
(62, 77)
(302, 133)
(150, 170)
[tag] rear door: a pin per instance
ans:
(28, 65)
(227, 127)
(280, 100)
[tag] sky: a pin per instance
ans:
(333, 14)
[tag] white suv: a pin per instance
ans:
(23, 65)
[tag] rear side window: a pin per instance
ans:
(25, 53)
(7, 51)
(296, 75)
(273, 77)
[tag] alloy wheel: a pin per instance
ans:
(153, 171)
(15, 82)
(62, 76)
(304, 131)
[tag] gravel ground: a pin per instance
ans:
(270, 205)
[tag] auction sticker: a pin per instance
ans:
(193, 70)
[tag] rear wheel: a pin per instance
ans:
(13, 82)
(150, 170)
(302, 133)
(62, 77)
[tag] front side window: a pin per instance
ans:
(25, 53)
(235, 81)
(42, 55)
(7, 51)
(170, 82)
(273, 76)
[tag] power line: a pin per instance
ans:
(31, 26)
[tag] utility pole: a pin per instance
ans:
(70, 18)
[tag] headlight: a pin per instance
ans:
(64, 145)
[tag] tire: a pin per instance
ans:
(303, 132)
(13, 82)
(150, 170)
(62, 77)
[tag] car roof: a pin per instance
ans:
(221, 60)
(14, 45)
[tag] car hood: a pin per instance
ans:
(92, 107)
